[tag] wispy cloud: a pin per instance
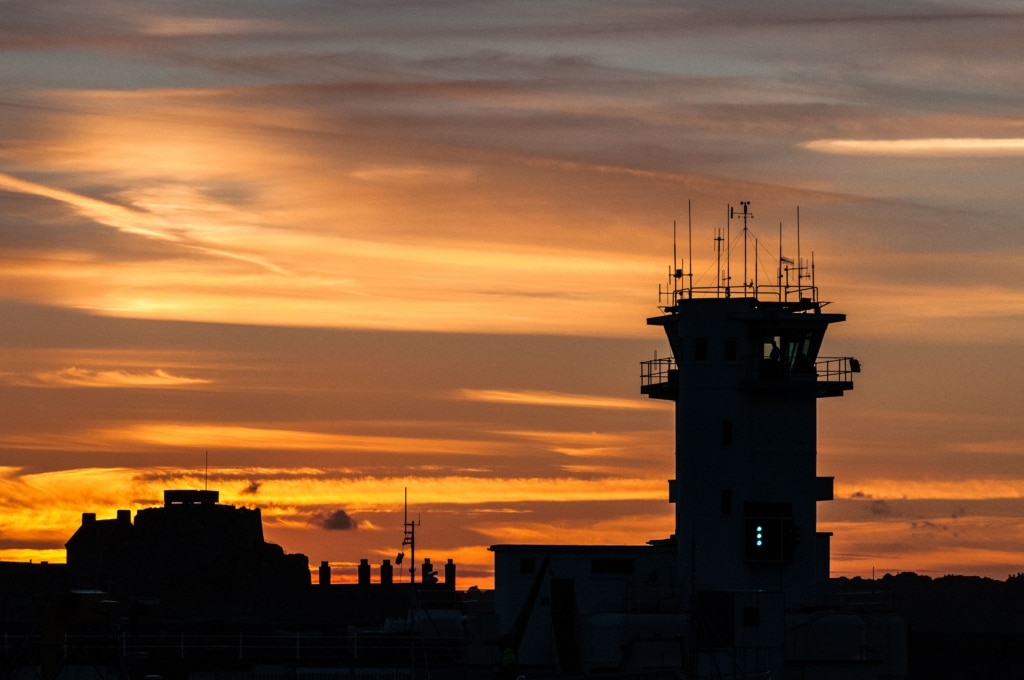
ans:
(934, 147)
(155, 436)
(557, 399)
(84, 377)
(921, 489)
(617, 531)
(1008, 447)
(228, 437)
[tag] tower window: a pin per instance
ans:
(727, 433)
(729, 349)
(726, 501)
(789, 353)
(700, 349)
(611, 566)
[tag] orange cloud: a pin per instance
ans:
(626, 445)
(285, 275)
(83, 377)
(374, 492)
(234, 437)
(312, 238)
(1010, 447)
(966, 489)
(297, 487)
(39, 508)
(627, 530)
(559, 399)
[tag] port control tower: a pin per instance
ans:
(741, 590)
(745, 375)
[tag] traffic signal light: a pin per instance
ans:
(764, 539)
(770, 539)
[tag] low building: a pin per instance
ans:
(192, 545)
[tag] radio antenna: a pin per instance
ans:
(718, 255)
(755, 268)
(728, 257)
(677, 271)
(689, 235)
(409, 539)
(799, 260)
(746, 214)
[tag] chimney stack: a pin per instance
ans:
(449, 574)
(364, 572)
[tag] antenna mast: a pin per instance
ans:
(745, 215)
(778, 283)
(799, 261)
(756, 281)
(718, 265)
(728, 257)
(409, 539)
(689, 233)
(677, 271)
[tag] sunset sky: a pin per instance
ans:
(344, 249)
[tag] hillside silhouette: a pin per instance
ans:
(958, 626)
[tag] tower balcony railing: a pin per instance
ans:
(836, 369)
(802, 294)
(659, 377)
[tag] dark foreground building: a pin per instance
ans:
(192, 547)
(192, 590)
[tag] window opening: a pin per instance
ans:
(729, 349)
(700, 349)
(726, 501)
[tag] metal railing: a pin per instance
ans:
(663, 371)
(657, 371)
(836, 369)
(784, 293)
